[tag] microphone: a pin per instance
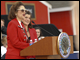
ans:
(33, 22)
(42, 28)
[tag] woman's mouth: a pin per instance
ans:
(23, 14)
(26, 21)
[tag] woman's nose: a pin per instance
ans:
(28, 19)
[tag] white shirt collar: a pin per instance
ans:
(20, 23)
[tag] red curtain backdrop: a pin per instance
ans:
(62, 20)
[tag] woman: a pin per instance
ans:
(39, 33)
(30, 31)
(16, 38)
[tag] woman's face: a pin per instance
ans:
(38, 32)
(21, 12)
(26, 20)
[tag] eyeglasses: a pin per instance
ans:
(22, 10)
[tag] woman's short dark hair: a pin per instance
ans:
(13, 10)
(30, 25)
(40, 30)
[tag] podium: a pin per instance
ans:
(45, 48)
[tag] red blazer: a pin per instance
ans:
(16, 39)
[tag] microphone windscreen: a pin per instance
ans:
(33, 22)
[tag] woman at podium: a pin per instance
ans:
(30, 31)
(16, 37)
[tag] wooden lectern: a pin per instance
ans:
(45, 48)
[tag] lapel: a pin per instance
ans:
(17, 21)
(23, 26)
(25, 29)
